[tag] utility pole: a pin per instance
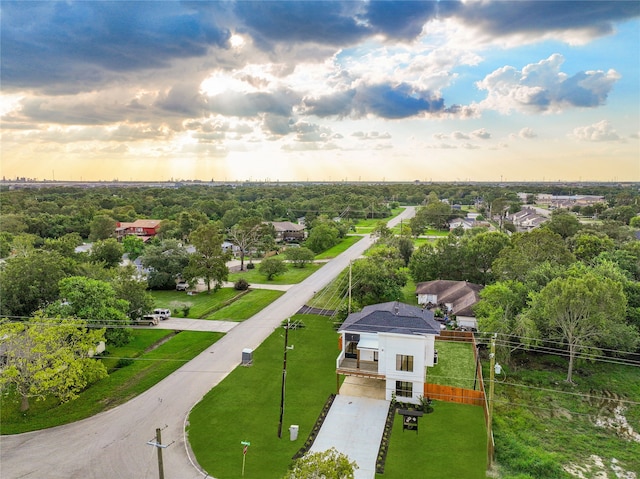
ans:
(159, 446)
(284, 377)
(492, 357)
(349, 307)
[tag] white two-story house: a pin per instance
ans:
(391, 342)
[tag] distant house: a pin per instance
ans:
(146, 229)
(391, 342)
(527, 219)
(452, 297)
(287, 231)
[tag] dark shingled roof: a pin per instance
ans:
(392, 317)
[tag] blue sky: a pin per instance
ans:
(326, 90)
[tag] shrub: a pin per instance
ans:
(123, 362)
(251, 266)
(241, 285)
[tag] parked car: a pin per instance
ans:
(148, 319)
(182, 286)
(162, 313)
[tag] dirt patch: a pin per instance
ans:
(596, 468)
(611, 409)
(160, 342)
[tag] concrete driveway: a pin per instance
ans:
(354, 426)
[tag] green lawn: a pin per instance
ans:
(120, 386)
(345, 244)
(456, 365)
(450, 443)
(247, 305)
(245, 406)
(292, 276)
(201, 304)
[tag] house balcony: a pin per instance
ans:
(362, 369)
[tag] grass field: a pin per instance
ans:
(543, 423)
(200, 305)
(245, 406)
(120, 386)
(246, 306)
(456, 365)
(450, 443)
(345, 244)
(291, 276)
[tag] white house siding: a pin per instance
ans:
(422, 350)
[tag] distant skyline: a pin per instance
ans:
(321, 91)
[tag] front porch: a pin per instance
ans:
(358, 368)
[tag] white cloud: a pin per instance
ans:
(527, 133)
(542, 87)
(601, 131)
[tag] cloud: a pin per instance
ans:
(527, 133)
(251, 104)
(382, 100)
(481, 134)
(601, 131)
(535, 18)
(311, 132)
(543, 87)
(79, 44)
(373, 135)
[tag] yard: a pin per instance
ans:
(246, 406)
(134, 368)
(291, 276)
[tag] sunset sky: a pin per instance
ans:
(326, 91)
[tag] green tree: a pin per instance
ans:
(65, 245)
(329, 464)
(128, 287)
(480, 251)
(272, 267)
(101, 227)
(109, 252)
(382, 231)
(299, 257)
(498, 311)
(29, 282)
(166, 262)
(246, 235)
(405, 247)
(321, 238)
(96, 302)
(49, 357)
(584, 312)
(587, 246)
(133, 246)
(378, 278)
(564, 223)
(209, 261)
(527, 250)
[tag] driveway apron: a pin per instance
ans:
(354, 426)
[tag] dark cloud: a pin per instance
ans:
(508, 17)
(79, 42)
(403, 20)
(383, 100)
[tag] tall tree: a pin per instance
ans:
(480, 251)
(583, 312)
(245, 235)
(166, 262)
(96, 302)
(101, 227)
(271, 267)
(564, 223)
(322, 237)
(133, 246)
(528, 250)
(209, 260)
(49, 357)
(29, 282)
(127, 286)
(108, 251)
(299, 257)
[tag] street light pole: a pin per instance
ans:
(492, 357)
(284, 377)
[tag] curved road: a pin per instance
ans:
(114, 445)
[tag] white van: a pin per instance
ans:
(162, 313)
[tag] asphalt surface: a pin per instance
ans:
(114, 444)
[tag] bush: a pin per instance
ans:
(241, 285)
(251, 266)
(123, 362)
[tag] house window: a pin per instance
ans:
(404, 389)
(404, 363)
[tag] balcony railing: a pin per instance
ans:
(350, 367)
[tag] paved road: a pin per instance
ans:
(113, 444)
